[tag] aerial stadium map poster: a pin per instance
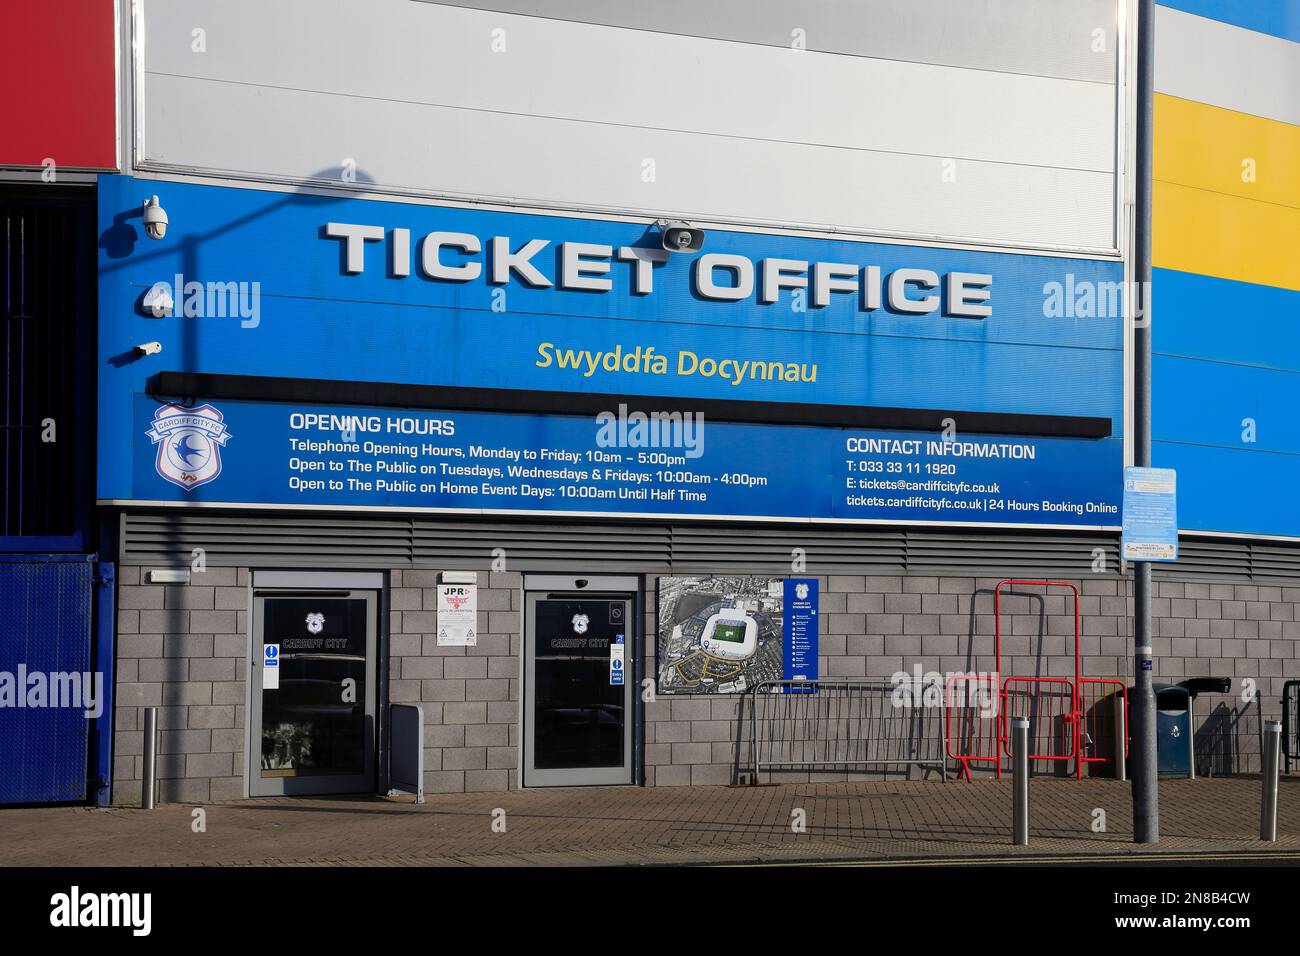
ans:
(723, 634)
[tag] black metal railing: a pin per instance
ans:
(47, 311)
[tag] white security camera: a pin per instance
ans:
(155, 219)
(678, 236)
(148, 348)
(158, 300)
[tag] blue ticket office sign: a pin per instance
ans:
(1150, 518)
(799, 629)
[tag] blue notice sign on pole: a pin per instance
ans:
(1150, 531)
(799, 629)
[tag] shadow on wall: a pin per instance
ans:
(182, 249)
(1228, 739)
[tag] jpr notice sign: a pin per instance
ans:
(457, 615)
(1150, 530)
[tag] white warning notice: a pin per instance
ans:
(457, 615)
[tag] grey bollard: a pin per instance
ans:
(1268, 795)
(1020, 780)
(1121, 737)
(148, 772)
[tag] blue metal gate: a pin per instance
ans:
(45, 630)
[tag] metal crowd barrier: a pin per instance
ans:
(1291, 722)
(1050, 706)
(1103, 738)
(1068, 723)
(843, 724)
(1071, 721)
(973, 727)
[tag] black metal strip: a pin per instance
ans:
(306, 391)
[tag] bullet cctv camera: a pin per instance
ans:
(158, 300)
(148, 348)
(155, 219)
(680, 236)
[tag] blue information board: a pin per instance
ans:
(368, 458)
(799, 629)
(1150, 530)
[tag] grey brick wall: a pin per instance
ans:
(184, 649)
(876, 626)
(469, 694)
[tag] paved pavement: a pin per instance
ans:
(881, 823)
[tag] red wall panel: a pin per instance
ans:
(58, 83)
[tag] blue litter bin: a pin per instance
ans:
(1173, 730)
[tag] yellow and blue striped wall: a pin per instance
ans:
(1226, 252)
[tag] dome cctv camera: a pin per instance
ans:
(158, 300)
(155, 218)
(679, 236)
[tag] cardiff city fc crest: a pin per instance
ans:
(580, 622)
(801, 592)
(189, 444)
(315, 622)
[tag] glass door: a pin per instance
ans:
(577, 688)
(312, 712)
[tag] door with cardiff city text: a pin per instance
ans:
(312, 689)
(578, 665)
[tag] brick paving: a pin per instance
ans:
(844, 821)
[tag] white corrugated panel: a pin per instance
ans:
(442, 100)
(1227, 66)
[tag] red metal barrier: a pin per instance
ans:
(1099, 721)
(976, 700)
(1066, 721)
(1071, 715)
(1049, 703)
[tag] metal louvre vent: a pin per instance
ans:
(743, 548)
(1216, 560)
(1058, 555)
(261, 539)
(554, 546)
(1273, 562)
(265, 540)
